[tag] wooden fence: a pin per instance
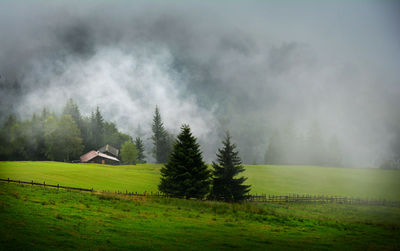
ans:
(294, 198)
(47, 185)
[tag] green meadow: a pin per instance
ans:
(278, 180)
(37, 218)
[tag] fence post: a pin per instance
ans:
(32, 182)
(44, 183)
(8, 180)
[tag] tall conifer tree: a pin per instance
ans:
(72, 109)
(162, 146)
(224, 185)
(141, 158)
(96, 129)
(185, 175)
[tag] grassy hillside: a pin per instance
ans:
(43, 219)
(100, 177)
(365, 183)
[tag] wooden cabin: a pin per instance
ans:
(100, 158)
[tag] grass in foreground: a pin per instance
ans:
(280, 180)
(44, 219)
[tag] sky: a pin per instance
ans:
(250, 67)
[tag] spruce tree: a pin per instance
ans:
(72, 109)
(185, 174)
(224, 184)
(162, 146)
(141, 158)
(96, 130)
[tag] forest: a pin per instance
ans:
(68, 135)
(60, 137)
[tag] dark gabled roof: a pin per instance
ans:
(93, 154)
(110, 149)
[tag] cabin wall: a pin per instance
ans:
(99, 160)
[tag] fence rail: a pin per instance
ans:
(294, 198)
(47, 185)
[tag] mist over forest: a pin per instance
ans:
(278, 80)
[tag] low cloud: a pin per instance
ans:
(241, 67)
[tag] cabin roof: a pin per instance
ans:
(93, 154)
(108, 148)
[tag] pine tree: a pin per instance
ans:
(72, 109)
(162, 146)
(224, 184)
(96, 130)
(141, 158)
(185, 175)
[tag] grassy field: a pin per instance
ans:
(44, 219)
(281, 180)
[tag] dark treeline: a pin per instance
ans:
(66, 136)
(61, 137)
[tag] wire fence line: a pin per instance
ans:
(46, 185)
(263, 198)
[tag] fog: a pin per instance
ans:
(248, 67)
